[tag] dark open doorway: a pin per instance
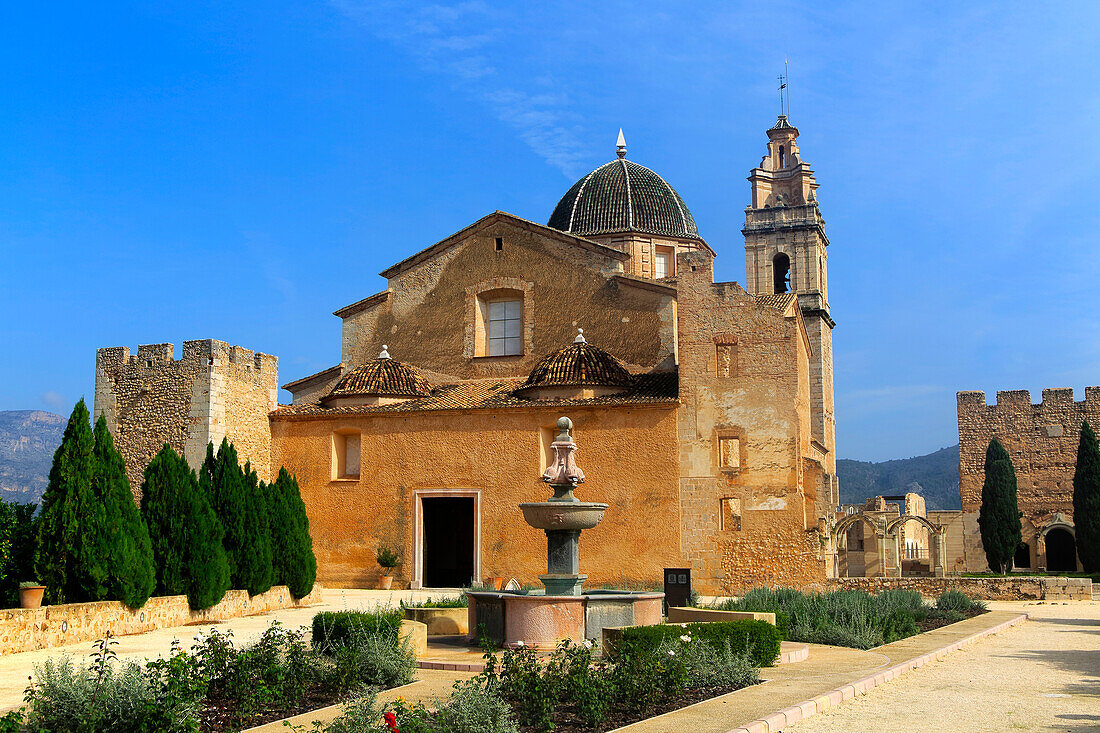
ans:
(448, 542)
(1061, 550)
(1023, 556)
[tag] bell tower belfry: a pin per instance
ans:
(786, 252)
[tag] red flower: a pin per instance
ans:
(391, 721)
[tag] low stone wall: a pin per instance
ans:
(685, 614)
(24, 630)
(1022, 588)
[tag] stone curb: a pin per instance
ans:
(475, 667)
(780, 719)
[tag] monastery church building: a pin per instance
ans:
(703, 410)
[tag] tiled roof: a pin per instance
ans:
(779, 301)
(623, 196)
(782, 124)
(654, 388)
(578, 364)
(382, 377)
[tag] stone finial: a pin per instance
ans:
(385, 354)
(620, 144)
(563, 474)
(578, 340)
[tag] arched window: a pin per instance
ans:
(782, 157)
(781, 271)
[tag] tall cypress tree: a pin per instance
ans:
(999, 517)
(239, 509)
(124, 544)
(259, 510)
(292, 546)
(1086, 499)
(184, 532)
(67, 511)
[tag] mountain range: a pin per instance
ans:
(934, 476)
(28, 439)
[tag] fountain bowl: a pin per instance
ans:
(560, 515)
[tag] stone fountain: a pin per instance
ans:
(563, 517)
(541, 619)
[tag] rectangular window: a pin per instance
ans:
(726, 359)
(660, 265)
(731, 515)
(505, 328)
(345, 455)
(729, 452)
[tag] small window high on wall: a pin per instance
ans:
(346, 451)
(781, 271)
(505, 327)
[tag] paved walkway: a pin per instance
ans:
(15, 669)
(1043, 675)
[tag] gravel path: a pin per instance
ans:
(1043, 675)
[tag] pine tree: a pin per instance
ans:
(184, 532)
(67, 512)
(292, 546)
(240, 511)
(124, 545)
(999, 517)
(1086, 500)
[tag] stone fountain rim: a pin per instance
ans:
(601, 594)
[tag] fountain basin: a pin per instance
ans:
(563, 515)
(542, 621)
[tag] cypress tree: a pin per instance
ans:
(67, 512)
(999, 517)
(184, 532)
(292, 546)
(1086, 499)
(260, 510)
(239, 509)
(124, 542)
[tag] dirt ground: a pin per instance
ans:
(1043, 675)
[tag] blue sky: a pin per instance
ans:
(180, 170)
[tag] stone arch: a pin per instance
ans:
(936, 549)
(869, 562)
(1064, 556)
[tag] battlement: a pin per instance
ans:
(201, 352)
(1016, 399)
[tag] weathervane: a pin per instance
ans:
(784, 92)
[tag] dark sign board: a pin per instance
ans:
(677, 587)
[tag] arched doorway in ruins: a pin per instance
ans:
(1061, 549)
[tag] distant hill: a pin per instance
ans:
(28, 439)
(934, 476)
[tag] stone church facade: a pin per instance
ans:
(703, 410)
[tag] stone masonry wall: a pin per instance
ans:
(24, 630)
(1022, 588)
(748, 518)
(213, 391)
(1042, 442)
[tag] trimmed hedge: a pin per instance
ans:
(336, 628)
(759, 638)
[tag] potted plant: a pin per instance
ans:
(30, 594)
(387, 560)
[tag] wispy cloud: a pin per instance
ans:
(52, 399)
(440, 40)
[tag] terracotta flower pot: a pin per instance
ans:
(495, 582)
(31, 597)
(384, 582)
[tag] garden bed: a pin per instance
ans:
(928, 623)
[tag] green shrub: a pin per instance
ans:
(472, 708)
(374, 659)
(336, 628)
(386, 558)
(956, 600)
(757, 638)
(710, 665)
(360, 714)
(461, 602)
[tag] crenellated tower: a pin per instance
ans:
(786, 251)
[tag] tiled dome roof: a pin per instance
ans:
(623, 196)
(382, 377)
(578, 365)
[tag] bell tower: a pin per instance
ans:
(786, 252)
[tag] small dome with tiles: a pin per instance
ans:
(382, 379)
(579, 366)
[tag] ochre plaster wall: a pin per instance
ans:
(628, 454)
(762, 399)
(425, 321)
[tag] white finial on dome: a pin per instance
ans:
(580, 337)
(385, 354)
(620, 144)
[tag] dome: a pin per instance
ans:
(578, 365)
(380, 378)
(623, 196)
